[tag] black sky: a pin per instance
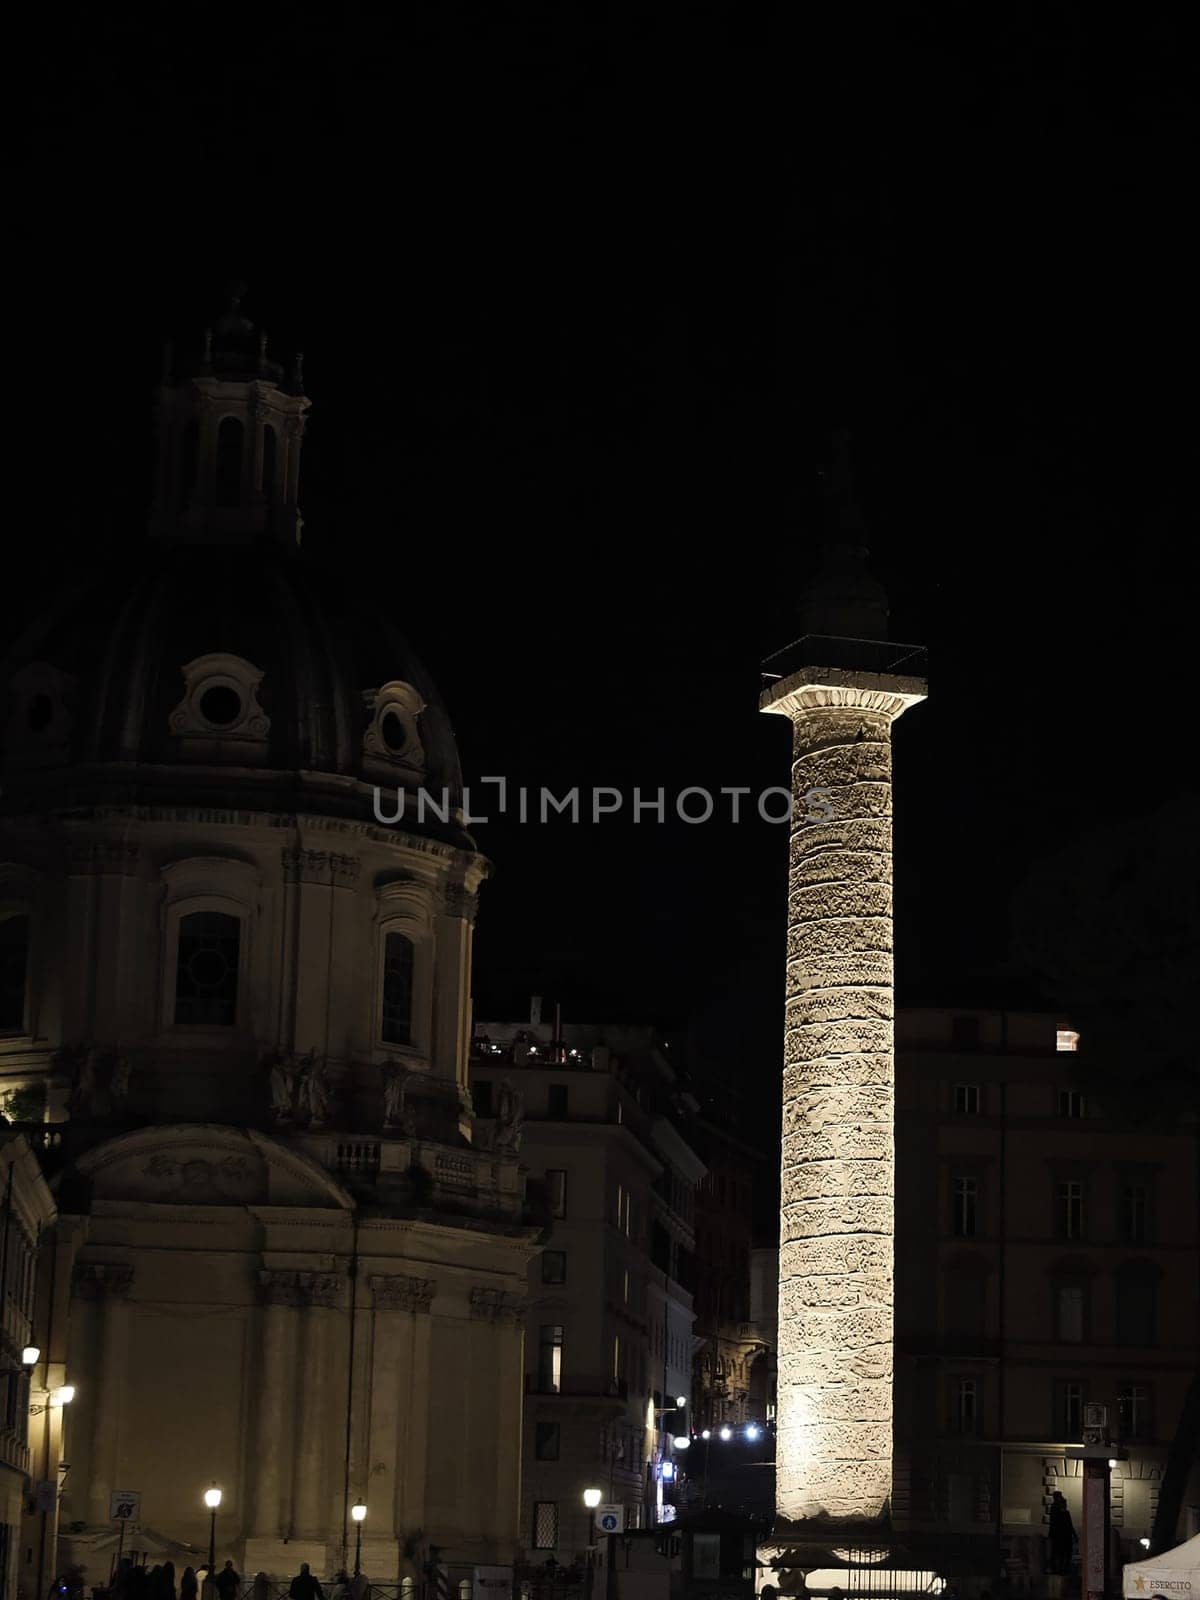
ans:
(580, 292)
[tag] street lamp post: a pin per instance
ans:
(358, 1511)
(212, 1499)
(591, 1499)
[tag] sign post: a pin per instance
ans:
(123, 1508)
(610, 1521)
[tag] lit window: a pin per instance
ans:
(1070, 1209)
(545, 1525)
(206, 974)
(1066, 1039)
(14, 960)
(556, 1191)
(554, 1266)
(550, 1353)
(966, 1099)
(396, 1014)
(965, 1213)
(1071, 1103)
(964, 1405)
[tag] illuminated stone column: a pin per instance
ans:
(834, 1442)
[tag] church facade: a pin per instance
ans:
(289, 1261)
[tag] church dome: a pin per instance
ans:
(218, 666)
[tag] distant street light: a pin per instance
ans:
(592, 1498)
(752, 1430)
(681, 1401)
(681, 1441)
(358, 1511)
(727, 1434)
(29, 1356)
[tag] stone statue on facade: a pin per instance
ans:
(283, 1075)
(316, 1088)
(118, 1083)
(510, 1114)
(397, 1113)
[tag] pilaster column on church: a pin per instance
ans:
(401, 1303)
(418, 1394)
(108, 1284)
(321, 1292)
(280, 1294)
(293, 432)
(453, 936)
(503, 1313)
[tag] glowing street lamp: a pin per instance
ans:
(29, 1356)
(592, 1498)
(681, 1441)
(358, 1511)
(726, 1434)
(212, 1499)
(752, 1430)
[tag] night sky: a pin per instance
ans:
(580, 296)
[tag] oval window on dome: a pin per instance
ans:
(394, 733)
(221, 705)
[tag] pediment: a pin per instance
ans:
(208, 1165)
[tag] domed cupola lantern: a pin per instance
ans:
(230, 428)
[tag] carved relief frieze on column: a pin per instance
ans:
(497, 1305)
(398, 1292)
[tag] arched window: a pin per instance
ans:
(229, 462)
(206, 973)
(397, 1009)
(14, 968)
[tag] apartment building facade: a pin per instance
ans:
(1047, 1259)
(609, 1331)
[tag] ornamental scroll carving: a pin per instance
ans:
(458, 901)
(322, 867)
(287, 1287)
(397, 1292)
(497, 1305)
(98, 1280)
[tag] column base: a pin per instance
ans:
(281, 1558)
(851, 1557)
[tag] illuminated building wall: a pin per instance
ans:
(834, 1442)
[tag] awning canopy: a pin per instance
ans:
(1174, 1575)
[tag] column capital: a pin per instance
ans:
(101, 1280)
(289, 1286)
(497, 1305)
(398, 1292)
